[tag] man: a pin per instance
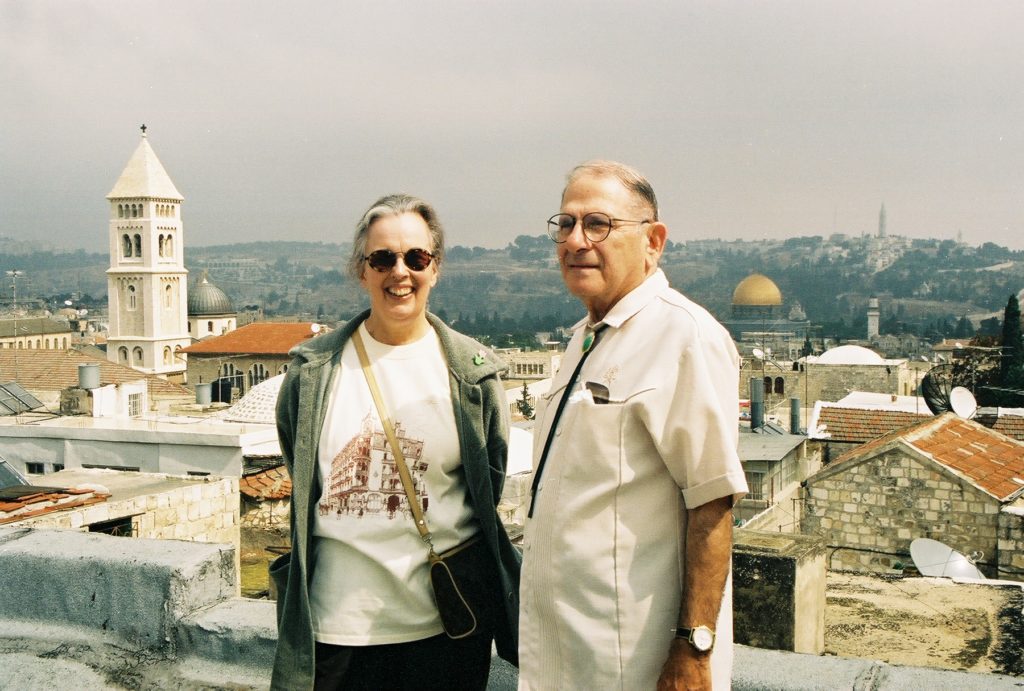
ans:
(627, 550)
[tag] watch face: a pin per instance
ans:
(703, 639)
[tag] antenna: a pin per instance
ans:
(933, 558)
(962, 402)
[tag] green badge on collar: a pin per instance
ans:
(478, 359)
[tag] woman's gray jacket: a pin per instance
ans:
(481, 417)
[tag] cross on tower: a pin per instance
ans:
(143, 128)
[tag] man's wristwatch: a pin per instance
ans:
(700, 637)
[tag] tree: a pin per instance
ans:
(1013, 348)
(523, 404)
(964, 328)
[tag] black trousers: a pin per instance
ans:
(437, 663)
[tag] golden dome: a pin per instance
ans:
(757, 290)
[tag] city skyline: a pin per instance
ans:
(752, 120)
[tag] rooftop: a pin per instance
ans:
(55, 370)
(260, 338)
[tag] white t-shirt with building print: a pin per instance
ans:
(370, 582)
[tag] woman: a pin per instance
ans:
(355, 605)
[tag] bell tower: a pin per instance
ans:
(147, 282)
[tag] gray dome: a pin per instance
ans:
(207, 300)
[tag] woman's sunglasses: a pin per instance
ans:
(385, 260)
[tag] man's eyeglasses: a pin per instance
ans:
(596, 226)
(385, 260)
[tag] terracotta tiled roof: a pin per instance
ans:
(54, 370)
(1010, 425)
(17, 505)
(988, 459)
(273, 483)
(861, 425)
(260, 338)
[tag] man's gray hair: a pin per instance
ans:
(395, 205)
(630, 177)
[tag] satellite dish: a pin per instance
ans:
(758, 353)
(315, 328)
(961, 402)
(933, 558)
(935, 387)
(68, 303)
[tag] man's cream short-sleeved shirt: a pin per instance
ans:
(650, 429)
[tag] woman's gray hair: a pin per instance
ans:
(394, 205)
(631, 179)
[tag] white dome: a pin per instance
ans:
(258, 405)
(850, 355)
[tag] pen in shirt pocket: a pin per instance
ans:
(599, 392)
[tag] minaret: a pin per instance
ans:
(881, 222)
(873, 314)
(147, 281)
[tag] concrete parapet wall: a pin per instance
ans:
(135, 589)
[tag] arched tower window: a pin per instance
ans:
(132, 301)
(780, 385)
(122, 355)
(137, 356)
(160, 245)
(168, 296)
(138, 245)
(126, 245)
(167, 355)
(169, 246)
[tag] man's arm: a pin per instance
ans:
(707, 559)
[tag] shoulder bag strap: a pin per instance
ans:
(396, 448)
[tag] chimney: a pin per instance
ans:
(794, 416)
(756, 403)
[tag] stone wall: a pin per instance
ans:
(1011, 541)
(269, 514)
(870, 512)
(205, 509)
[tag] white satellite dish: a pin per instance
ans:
(933, 558)
(758, 353)
(961, 402)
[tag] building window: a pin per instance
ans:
(132, 302)
(119, 527)
(35, 468)
(138, 245)
(755, 484)
(134, 404)
(167, 356)
(137, 353)
(209, 327)
(257, 373)
(57, 467)
(122, 355)
(168, 296)
(780, 385)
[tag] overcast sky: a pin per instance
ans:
(285, 120)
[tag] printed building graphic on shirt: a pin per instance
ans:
(364, 476)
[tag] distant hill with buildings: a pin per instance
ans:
(922, 285)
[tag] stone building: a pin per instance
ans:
(945, 478)
(147, 280)
(774, 465)
(239, 360)
(35, 333)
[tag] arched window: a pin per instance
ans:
(126, 245)
(47, 346)
(137, 356)
(169, 246)
(39, 343)
(120, 211)
(167, 356)
(168, 296)
(160, 245)
(131, 297)
(135, 212)
(122, 355)
(189, 327)
(768, 385)
(65, 343)
(257, 373)
(209, 327)
(283, 368)
(780, 385)
(138, 245)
